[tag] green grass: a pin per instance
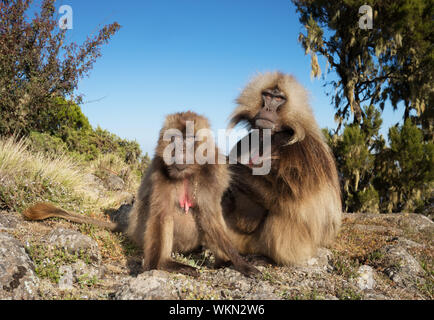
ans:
(345, 266)
(303, 295)
(349, 294)
(86, 280)
(47, 261)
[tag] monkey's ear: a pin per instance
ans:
(299, 134)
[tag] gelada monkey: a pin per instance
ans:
(178, 205)
(295, 208)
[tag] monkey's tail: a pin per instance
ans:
(42, 211)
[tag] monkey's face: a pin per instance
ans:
(277, 102)
(273, 100)
(179, 167)
(182, 134)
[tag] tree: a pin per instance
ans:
(37, 66)
(61, 115)
(393, 61)
(405, 170)
(355, 152)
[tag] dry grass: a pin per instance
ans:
(17, 161)
(27, 176)
(107, 164)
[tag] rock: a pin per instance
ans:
(17, 279)
(152, 285)
(66, 278)
(374, 296)
(417, 222)
(121, 215)
(320, 261)
(74, 242)
(376, 229)
(127, 198)
(93, 180)
(411, 221)
(95, 184)
(82, 269)
(160, 285)
(79, 272)
(8, 221)
(365, 280)
(408, 244)
(114, 183)
(263, 292)
(401, 267)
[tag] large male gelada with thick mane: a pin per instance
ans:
(288, 213)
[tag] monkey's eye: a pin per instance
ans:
(278, 99)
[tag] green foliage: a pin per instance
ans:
(46, 143)
(61, 116)
(356, 162)
(69, 131)
(44, 136)
(37, 65)
(345, 266)
(349, 294)
(92, 145)
(393, 61)
(406, 170)
(380, 178)
(49, 260)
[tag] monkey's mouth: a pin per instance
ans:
(179, 170)
(262, 123)
(180, 167)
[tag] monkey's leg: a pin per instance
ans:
(158, 246)
(218, 242)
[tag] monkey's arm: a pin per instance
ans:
(241, 213)
(245, 203)
(256, 188)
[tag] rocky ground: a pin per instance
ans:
(375, 257)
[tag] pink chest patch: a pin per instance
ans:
(185, 201)
(253, 159)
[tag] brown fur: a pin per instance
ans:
(158, 224)
(287, 214)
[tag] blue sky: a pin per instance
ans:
(181, 55)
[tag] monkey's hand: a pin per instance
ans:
(247, 269)
(243, 267)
